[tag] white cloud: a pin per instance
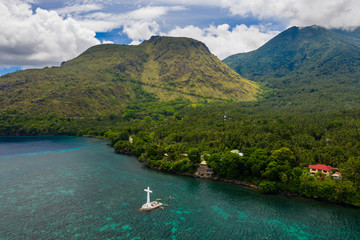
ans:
(78, 8)
(138, 31)
(39, 38)
(191, 2)
(138, 25)
(329, 13)
(150, 12)
(224, 41)
(107, 42)
(48, 37)
(103, 22)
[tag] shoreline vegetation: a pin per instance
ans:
(244, 184)
(213, 178)
(240, 183)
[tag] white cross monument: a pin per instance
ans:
(150, 205)
(148, 196)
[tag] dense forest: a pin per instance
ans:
(277, 146)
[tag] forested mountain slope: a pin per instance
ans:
(311, 68)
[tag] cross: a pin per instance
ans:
(148, 194)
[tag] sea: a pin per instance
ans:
(78, 188)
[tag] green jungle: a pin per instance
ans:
(306, 112)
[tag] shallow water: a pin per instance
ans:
(72, 188)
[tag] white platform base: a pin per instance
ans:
(150, 206)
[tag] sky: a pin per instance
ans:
(39, 33)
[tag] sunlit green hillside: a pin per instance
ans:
(107, 78)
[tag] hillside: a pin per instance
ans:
(107, 78)
(312, 68)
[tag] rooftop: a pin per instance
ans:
(321, 167)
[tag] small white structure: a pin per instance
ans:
(237, 152)
(337, 176)
(148, 206)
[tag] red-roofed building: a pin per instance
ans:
(313, 169)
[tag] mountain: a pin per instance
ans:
(353, 33)
(107, 78)
(311, 68)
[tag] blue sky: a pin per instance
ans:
(39, 33)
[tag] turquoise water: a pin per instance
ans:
(72, 188)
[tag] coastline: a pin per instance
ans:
(215, 178)
(247, 185)
(187, 174)
(239, 183)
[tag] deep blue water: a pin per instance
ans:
(72, 188)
